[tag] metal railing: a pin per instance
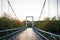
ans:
(43, 35)
(11, 33)
(46, 35)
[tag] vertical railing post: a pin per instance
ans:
(7, 35)
(12, 35)
(32, 21)
(26, 21)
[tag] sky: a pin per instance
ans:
(25, 8)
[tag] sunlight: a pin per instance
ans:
(25, 8)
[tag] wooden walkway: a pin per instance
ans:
(28, 34)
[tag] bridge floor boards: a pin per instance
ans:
(28, 34)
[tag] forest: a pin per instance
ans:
(52, 25)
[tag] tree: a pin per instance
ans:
(54, 18)
(46, 23)
(5, 23)
(58, 17)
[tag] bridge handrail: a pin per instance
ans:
(8, 35)
(9, 29)
(19, 29)
(48, 33)
(41, 35)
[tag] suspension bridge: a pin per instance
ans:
(26, 33)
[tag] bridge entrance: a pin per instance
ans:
(29, 23)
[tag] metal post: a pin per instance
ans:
(32, 21)
(26, 21)
(7, 35)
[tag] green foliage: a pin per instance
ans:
(6, 23)
(49, 25)
(39, 24)
(17, 23)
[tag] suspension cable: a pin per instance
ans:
(2, 7)
(57, 9)
(12, 8)
(42, 10)
(57, 16)
(49, 8)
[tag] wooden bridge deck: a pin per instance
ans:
(28, 34)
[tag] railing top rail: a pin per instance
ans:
(8, 35)
(48, 32)
(41, 35)
(10, 29)
(18, 30)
